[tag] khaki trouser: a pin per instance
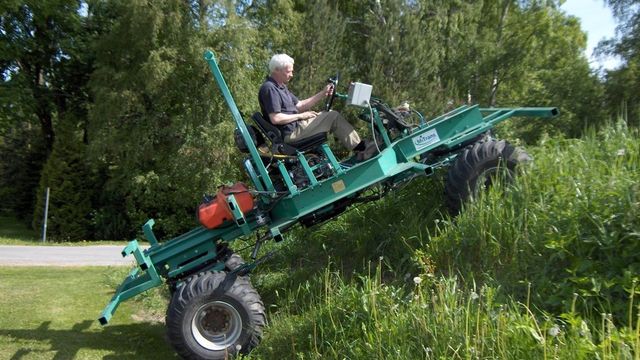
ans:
(330, 121)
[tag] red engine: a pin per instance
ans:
(213, 213)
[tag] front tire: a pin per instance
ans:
(214, 315)
(477, 167)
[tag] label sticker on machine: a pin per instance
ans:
(423, 140)
(338, 186)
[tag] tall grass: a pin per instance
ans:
(543, 268)
(570, 225)
(330, 318)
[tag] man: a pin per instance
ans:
(294, 117)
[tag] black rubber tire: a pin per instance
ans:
(231, 314)
(476, 168)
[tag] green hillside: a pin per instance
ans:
(544, 268)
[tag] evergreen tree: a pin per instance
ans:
(318, 52)
(159, 127)
(158, 133)
(71, 184)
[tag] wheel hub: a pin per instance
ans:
(216, 325)
(215, 321)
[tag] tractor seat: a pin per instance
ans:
(278, 146)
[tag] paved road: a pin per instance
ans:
(101, 255)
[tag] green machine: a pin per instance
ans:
(214, 312)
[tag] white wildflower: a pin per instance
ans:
(554, 331)
(417, 280)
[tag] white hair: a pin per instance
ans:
(279, 61)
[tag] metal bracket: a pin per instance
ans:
(147, 229)
(140, 279)
(293, 189)
(307, 169)
(238, 216)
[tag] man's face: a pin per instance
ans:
(284, 75)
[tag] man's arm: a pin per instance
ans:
(306, 104)
(281, 119)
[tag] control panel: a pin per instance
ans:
(359, 94)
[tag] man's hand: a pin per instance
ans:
(328, 90)
(306, 104)
(307, 115)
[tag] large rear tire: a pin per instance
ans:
(214, 315)
(477, 167)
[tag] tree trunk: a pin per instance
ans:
(43, 108)
(495, 83)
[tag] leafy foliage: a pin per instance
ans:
(622, 83)
(157, 101)
(44, 66)
(129, 76)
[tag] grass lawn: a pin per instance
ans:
(50, 313)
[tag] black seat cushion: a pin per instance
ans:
(273, 133)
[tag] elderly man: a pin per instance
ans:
(293, 116)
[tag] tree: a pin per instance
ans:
(628, 13)
(36, 39)
(554, 72)
(44, 67)
(21, 154)
(623, 84)
(160, 130)
(68, 176)
(525, 53)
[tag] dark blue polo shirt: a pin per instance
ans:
(276, 98)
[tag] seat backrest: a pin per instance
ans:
(272, 131)
(254, 133)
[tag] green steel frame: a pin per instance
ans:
(399, 159)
